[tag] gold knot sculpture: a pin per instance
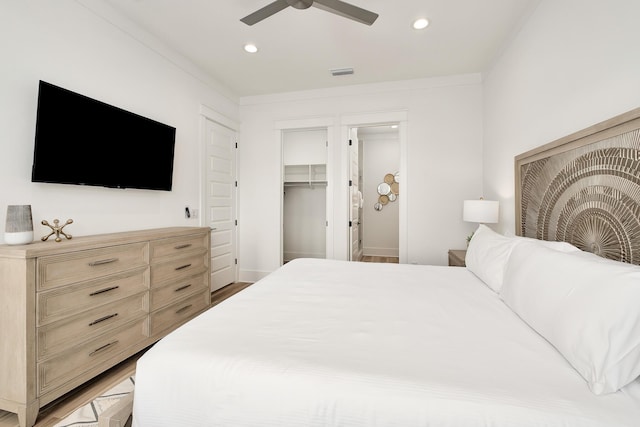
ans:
(57, 230)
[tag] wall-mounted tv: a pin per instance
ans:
(83, 141)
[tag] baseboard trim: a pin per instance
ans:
(252, 276)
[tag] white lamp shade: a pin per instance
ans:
(481, 211)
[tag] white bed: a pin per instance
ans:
(335, 343)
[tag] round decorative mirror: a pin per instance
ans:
(384, 199)
(388, 178)
(384, 189)
(377, 206)
(396, 177)
(395, 188)
(392, 197)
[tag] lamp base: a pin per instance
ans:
(18, 238)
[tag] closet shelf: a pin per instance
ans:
(307, 174)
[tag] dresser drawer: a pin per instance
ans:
(59, 303)
(73, 363)
(59, 336)
(177, 290)
(73, 267)
(175, 314)
(178, 269)
(178, 246)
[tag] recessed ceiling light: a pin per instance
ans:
(420, 24)
(251, 48)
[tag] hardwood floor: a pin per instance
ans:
(57, 410)
(371, 258)
(222, 294)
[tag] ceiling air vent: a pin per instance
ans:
(341, 71)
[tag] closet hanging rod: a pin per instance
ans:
(304, 183)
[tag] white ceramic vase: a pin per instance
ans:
(19, 225)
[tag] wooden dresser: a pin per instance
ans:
(71, 310)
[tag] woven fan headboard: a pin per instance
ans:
(585, 189)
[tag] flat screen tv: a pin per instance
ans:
(82, 141)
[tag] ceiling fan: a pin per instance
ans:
(334, 6)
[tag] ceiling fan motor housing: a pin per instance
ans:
(300, 4)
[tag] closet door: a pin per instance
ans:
(220, 213)
(304, 194)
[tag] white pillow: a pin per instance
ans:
(556, 246)
(488, 253)
(585, 306)
(551, 244)
(487, 256)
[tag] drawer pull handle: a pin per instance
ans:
(182, 288)
(104, 347)
(182, 267)
(102, 291)
(187, 245)
(183, 309)
(103, 261)
(102, 319)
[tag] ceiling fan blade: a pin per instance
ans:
(347, 10)
(265, 12)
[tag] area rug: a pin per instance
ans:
(87, 415)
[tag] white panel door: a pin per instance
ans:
(354, 199)
(221, 202)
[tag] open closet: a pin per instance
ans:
(304, 201)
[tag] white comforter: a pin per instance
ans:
(333, 343)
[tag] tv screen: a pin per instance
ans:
(83, 141)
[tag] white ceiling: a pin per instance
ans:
(298, 48)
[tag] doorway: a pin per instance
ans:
(375, 192)
(304, 193)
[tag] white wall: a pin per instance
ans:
(379, 230)
(304, 230)
(304, 147)
(573, 64)
(66, 44)
(444, 133)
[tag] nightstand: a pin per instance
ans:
(456, 257)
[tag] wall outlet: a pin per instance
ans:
(190, 213)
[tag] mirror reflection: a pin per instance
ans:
(384, 189)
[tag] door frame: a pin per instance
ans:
(206, 113)
(354, 148)
(400, 117)
(301, 124)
